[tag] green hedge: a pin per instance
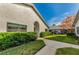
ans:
(12, 39)
(72, 35)
(43, 34)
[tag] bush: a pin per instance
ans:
(72, 35)
(43, 34)
(12, 39)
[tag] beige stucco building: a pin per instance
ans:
(21, 17)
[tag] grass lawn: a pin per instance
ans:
(67, 51)
(25, 49)
(63, 38)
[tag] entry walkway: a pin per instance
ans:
(51, 46)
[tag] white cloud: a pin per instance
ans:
(57, 20)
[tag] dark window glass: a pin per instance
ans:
(13, 27)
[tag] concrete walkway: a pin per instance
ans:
(51, 46)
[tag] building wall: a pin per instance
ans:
(19, 14)
(76, 25)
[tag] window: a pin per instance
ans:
(13, 27)
(77, 30)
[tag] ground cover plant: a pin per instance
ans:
(24, 49)
(67, 51)
(63, 38)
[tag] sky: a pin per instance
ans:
(55, 13)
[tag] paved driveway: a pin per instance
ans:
(51, 47)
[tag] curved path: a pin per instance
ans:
(51, 47)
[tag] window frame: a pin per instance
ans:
(16, 27)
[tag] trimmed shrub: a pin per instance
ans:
(73, 35)
(43, 34)
(70, 34)
(12, 39)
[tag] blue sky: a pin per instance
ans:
(55, 13)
